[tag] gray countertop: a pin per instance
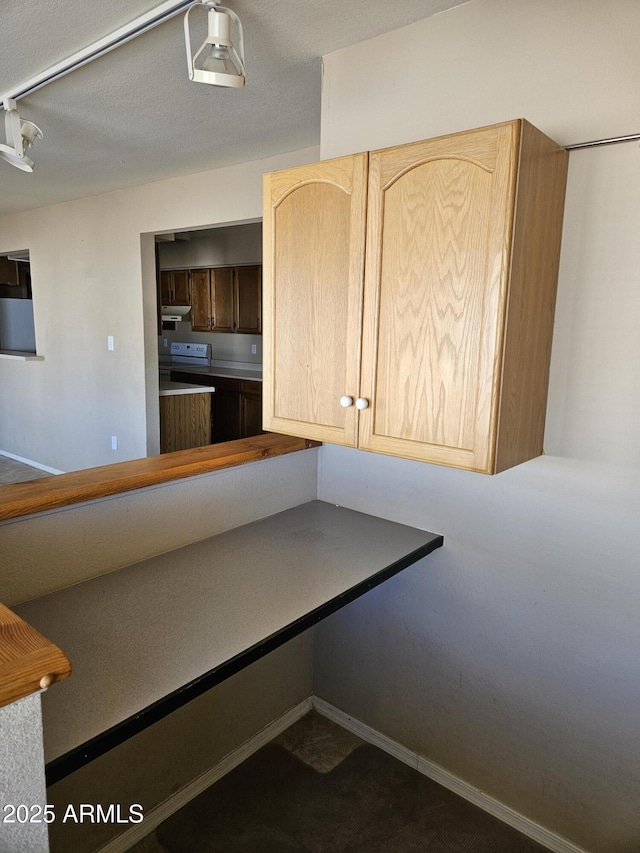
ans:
(254, 375)
(135, 635)
(168, 388)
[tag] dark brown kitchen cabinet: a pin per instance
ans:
(8, 271)
(201, 300)
(238, 409)
(174, 287)
(248, 300)
(222, 292)
(236, 405)
(226, 420)
(227, 299)
(250, 409)
(212, 300)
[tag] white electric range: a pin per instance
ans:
(197, 355)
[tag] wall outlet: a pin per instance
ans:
(254, 349)
(114, 442)
(110, 346)
(165, 342)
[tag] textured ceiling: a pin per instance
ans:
(132, 116)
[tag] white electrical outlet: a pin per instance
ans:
(114, 442)
(254, 349)
(110, 346)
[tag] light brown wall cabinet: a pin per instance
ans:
(409, 297)
(174, 287)
(227, 299)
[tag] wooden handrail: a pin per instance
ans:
(28, 661)
(20, 499)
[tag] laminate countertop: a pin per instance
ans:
(145, 639)
(250, 374)
(169, 389)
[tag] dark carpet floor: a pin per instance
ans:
(369, 803)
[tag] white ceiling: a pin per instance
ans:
(132, 116)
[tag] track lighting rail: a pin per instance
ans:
(121, 36)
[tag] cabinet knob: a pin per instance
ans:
(346, 401)
(362, 403)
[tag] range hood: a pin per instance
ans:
(174, 313)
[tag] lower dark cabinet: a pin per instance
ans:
(236, 406)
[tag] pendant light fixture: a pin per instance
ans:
(218, 62)
(20, 136)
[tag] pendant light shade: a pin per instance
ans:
(217, 62)
(20, 136)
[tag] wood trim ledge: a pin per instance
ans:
(28, 661)
(60, 490)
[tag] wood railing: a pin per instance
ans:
(20, 499)
(28, 661)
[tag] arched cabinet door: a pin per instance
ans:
(313, 231)
(438, 245)
(463, 241)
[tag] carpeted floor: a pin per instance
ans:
(313, 790)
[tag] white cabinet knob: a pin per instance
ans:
(361, 403)
(345, 402)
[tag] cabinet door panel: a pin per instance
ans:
(200, 300)
(440, 216)
(314, 240)
(222, 299)
(174, 287)
(248, 300)
(250, 414)
(226, 418)
(181, 295)
(166, 295)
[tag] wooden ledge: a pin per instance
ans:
(28, 661)
(60, 490)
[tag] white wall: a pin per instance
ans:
(93, 275)
(22, 775)
(510, 656)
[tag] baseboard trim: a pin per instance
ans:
(434, 771)
(176, 801)
(30, 462)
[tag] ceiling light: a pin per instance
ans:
(20, 137)
(218, 61)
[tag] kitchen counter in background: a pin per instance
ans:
(168, 388)
(223, 369)
(237, 403)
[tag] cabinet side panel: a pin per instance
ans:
(532, 296)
